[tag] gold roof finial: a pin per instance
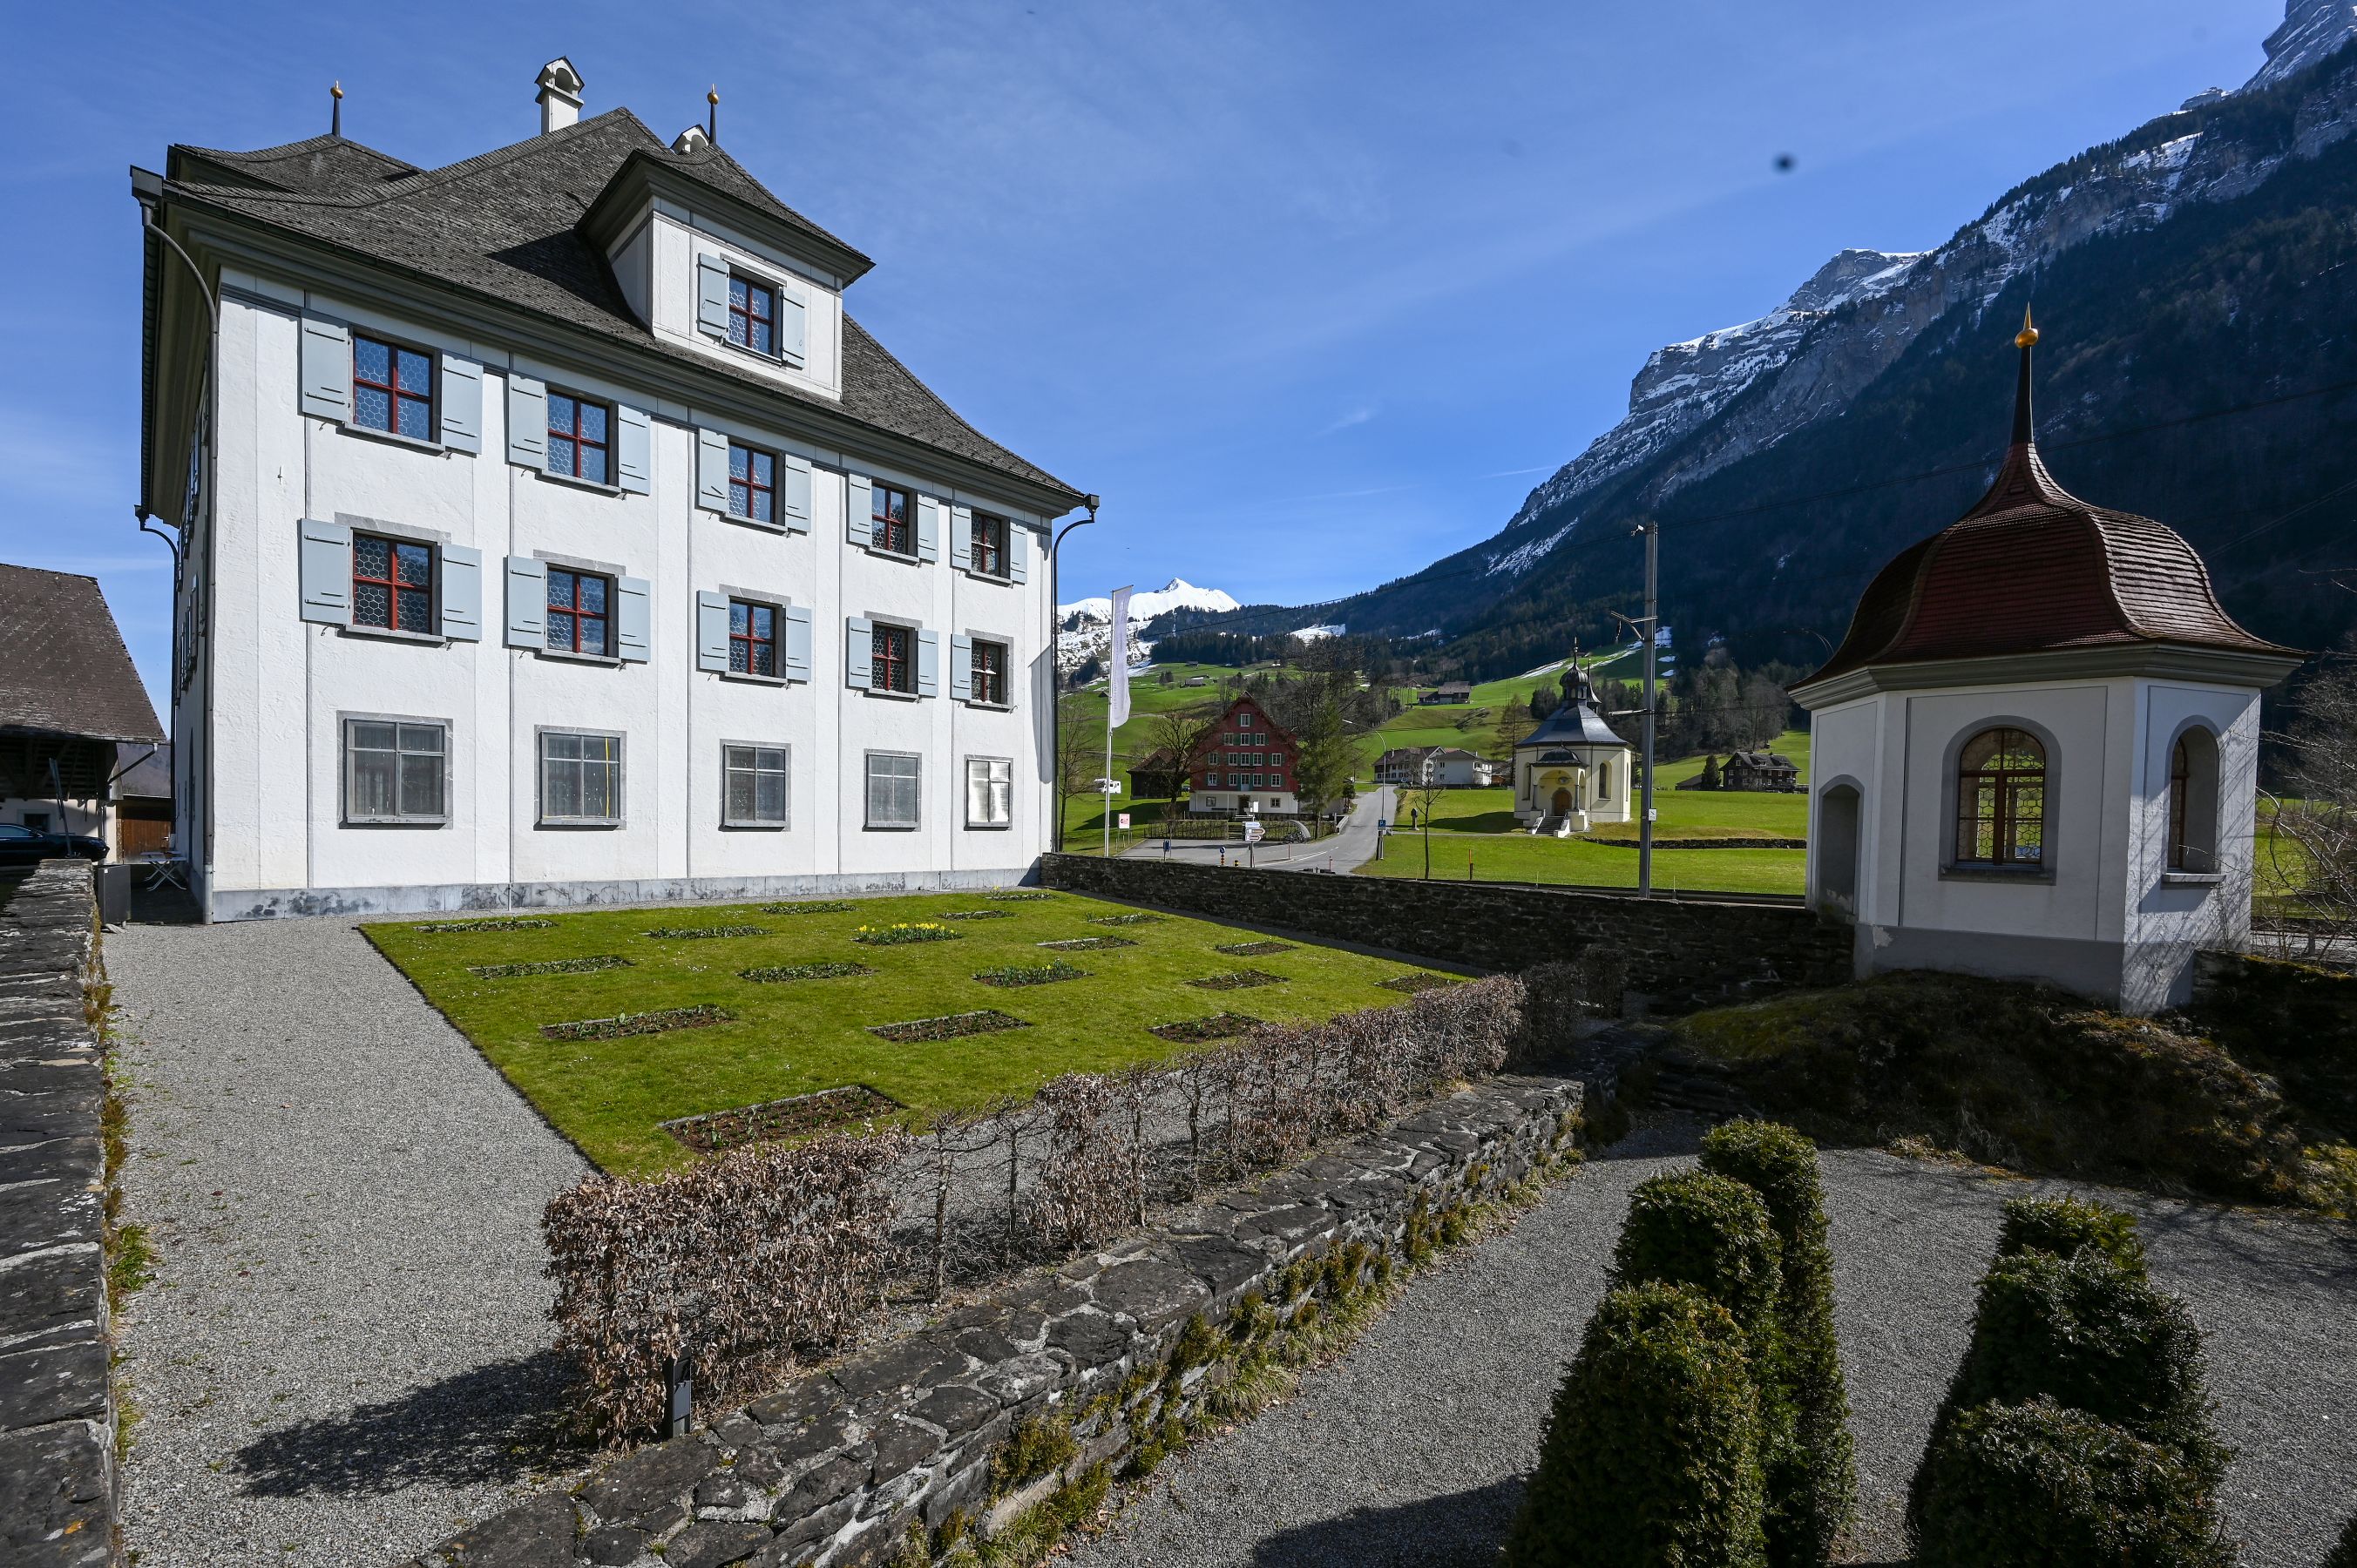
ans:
(713, 96)
(336, 90)
(2028, 337)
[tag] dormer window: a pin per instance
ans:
(752, 315)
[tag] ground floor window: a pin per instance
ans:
(580, 777)
(754, 786)
(989, 792)
(396, 770)
(893, 782)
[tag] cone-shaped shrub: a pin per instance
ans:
(2345, 1554)
(2034, 1485)
(1708, 1231)
(1652, 1454)
(2063, 1225)
(2087, 1334)
(1813, 1484)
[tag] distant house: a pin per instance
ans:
(1244, 760)
(1447, 691)
(1195, 681)
(1450, 766)
(68, 699)
(1159, 775)
(1760, 770)
(1402, 765)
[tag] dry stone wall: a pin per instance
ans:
(1681, 954)
(974, 1422)
(57, 1410)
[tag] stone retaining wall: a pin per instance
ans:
(57, 1407)
(1682, 953)
(1080, 1368)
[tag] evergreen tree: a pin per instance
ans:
(1710, 778)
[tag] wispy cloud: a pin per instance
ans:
(1517, 473)
(1359, 415)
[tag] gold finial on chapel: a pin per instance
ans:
(2028, 337)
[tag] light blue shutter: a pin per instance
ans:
(859, 653)
(960, 538)
(462, 593)
(633, 619)
(326, 368)
(792, 328)
(326, 573)
(961, 669)
(929, 528)
(634, 448)
(859, 508)
(712, 294)
(794, 493)
(462, 405)
(797, 642)
(712, 632)
(527, 421)
(1018, 551)
(527, 593)
(928, 663)
(712, 471)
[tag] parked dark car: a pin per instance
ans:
(22, 848)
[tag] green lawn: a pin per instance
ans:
(798, 1037)
(1518, 857)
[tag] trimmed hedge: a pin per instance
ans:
(2063, 1225)
(1811, 1483)
(2028, 1486)
(1652, 1451)
(1708, 1231)
(2345, 1554)
(2089, 1335)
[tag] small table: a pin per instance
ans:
(164, 870)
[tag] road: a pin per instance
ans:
(1346, 850)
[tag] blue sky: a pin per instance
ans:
(1311, 293)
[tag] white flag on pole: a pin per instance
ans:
(1117, 662)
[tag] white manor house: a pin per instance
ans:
(551, 534)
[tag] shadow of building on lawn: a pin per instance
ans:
(493, 1425)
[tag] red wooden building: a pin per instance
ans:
(1244, 758)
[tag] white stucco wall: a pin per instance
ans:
(273, 777)
(2106, 917)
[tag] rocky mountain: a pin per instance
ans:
(1086, 626)
(1718, 426)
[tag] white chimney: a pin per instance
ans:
(560, 96)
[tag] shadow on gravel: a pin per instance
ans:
(1454, 1531)
(490, 1424)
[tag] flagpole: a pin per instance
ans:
(1108, 773)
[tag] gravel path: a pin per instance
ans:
(1410, 1450)
(344, 1353)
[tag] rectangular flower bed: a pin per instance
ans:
(445, 927)
(656, 1023)
(986, 1021)
(905, 931)
(1420, 981)
(1138, 918)
(1253, 949)
(839, 969)
(548, 966)
(1238, 979)
(1089, 944)
(1218, 1026)
(824, 907)
(775, 1119)
(1017, 896)
(979, 915)
(690, 933)
(1037, 975)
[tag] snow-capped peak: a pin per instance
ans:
(2311, 29)
(1178, 593)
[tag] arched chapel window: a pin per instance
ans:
(2193, 802)
(2001, 799)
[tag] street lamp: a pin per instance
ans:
(1055, 671)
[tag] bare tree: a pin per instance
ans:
(2313, 853)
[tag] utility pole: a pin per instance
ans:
(1055, 669)
(1653, 532)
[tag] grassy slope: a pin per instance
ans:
(803, 1035)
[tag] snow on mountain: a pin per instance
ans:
(2311, 29)
(1084, 628)
(1741, 389)
(1312, 633)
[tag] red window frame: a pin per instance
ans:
(891, 670)
(990, 673)
(393, 585)
(603, 618)
(391, 386)
(743, 318)
(750, 642)
(575, 435)
(896, 535)
(751, 483)
(986, 545)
